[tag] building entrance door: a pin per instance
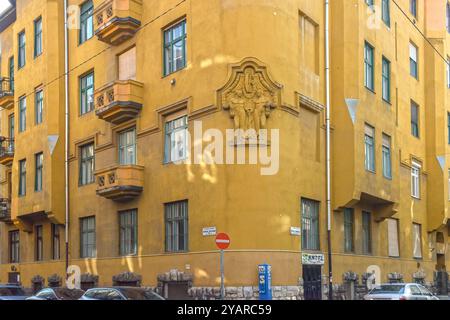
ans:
(312, 282)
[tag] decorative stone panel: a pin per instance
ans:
(173, 275)
(37, 283)
(395, 277)
(88, 281)
(127, 279)
(419, 277)
(54, 281)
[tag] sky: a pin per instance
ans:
(4, 4)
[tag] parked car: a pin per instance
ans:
(400, 291)
(57, 294)
(12, 292)
(121, 293)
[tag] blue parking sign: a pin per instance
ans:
(265, 281)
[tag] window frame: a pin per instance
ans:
(414, 64)
(38, 37)
(56, 239)
(169, 66)
(366, 224)
(38, 170)
(369, 64)
(84, 93)
(22, 114)
(14, 246)
(349, 230)
(369, 157)
(39, 243)
(419, 229)
(86, 14)
(311, 236)
(130, 229)
(84, 248)
(170, 132)
(172, 240)
(415, 125)
(386, 79)
(39, 106)
(386, 12)
(83, 160)
(397, 225)
(416, 171)
(413, 8)
(22, 178)
(387, 156)
(21, 59)
(122, 149)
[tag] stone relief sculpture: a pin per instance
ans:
(250, 96)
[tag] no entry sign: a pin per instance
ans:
(222, 241)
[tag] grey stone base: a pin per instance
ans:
(246, 293)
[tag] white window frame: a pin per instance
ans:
(416, 168)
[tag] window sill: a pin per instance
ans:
(86, 185)
(370, 90)
(371, 171)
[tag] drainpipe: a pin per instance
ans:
(328, 152)
(66, 131)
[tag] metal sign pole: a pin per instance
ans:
(222, 277)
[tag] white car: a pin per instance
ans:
(400, 291)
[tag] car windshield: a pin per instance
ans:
(139, 294)
(388, 288)
(68, 294)
(11, 292)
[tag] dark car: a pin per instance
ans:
(57, 294)
(121, 293)
(12, 292)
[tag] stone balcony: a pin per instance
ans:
(6, 93)
(120, 183)
(119, 101)
(6, 151)
(5, 210)
(116, 21)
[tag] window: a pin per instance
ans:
(22, 53)
(176, 220)
(413, 55)
(449, 188)
(127, 65)
(369, 2)
(367, 232)
(415, 129)
(39, 249)
(417, 241)
(309, 44)
(349, 229)
(448, 17)
(39, 162)
(87, 238)
(369, 140)
(39, 106)
(86, 21)
(447, 68)
(11, 126)
(310, 225)
(368, 67)
(14, 247)
(22, 177)
(415, 179)
(55, 242)
(38, 37)
(393, 244)
(87, 164)
(87, 93)
(127, 147)
(386, 75)
(387, 161)
(22, 114)
(175, 48)
(176, 139)
(11, 73)
(385, 12)
(128, 232)
(413, 7)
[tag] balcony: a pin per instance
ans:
(5, 210)
(119, 101)
(120, 183)
(6, 151)
(117, 20)
(6, 93)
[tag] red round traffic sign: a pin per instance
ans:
(223, 241)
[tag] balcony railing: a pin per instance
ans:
(5, 210)
(117, 20)
(6, 93)
(6, 150)
(120, 183)
(119, 101)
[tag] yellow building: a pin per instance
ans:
(143, 75)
